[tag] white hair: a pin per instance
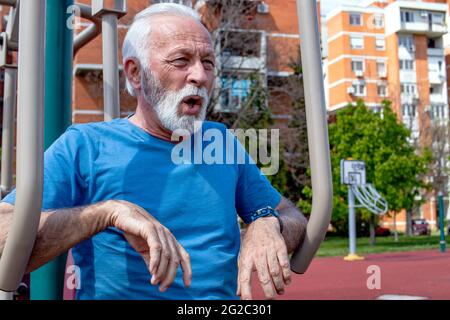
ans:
(137, 41)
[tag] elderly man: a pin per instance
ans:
(133, 216)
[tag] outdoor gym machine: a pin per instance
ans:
(111, 89)
(30, 128)
(319, 148)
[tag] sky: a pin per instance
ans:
(328, 5)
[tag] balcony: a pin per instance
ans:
(408, 76)
(437, 52)
(243, 50)
(436, 77)
(437, 98)
(409, 98)
(438, 28)
(240, 62)
(423, 28)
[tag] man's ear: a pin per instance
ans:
(132, 70)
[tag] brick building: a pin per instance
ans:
(392, 50)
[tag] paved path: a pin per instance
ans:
(421, 274)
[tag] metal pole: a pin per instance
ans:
(351, 222)
(6, 295)
(111, 87)
(352, 256)
(90, 32)
(9, 105)
(441, 222)
(319, 148)
(47, 282)
(22, 233)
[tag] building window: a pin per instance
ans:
(244, 44)
(438, 112)
(377, 109)
(407, 16)
(355, 19)
(359, 89)
(438, 18)
(405, 41)
(357, 65)
(381, 90)
(409, 110)
(235, 90)
(381, 68)
(378, 21)
(407, 65)
(409, 89)
(357, 42)
(380, 44)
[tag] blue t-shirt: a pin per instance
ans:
(198, 203)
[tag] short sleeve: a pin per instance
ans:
(65, 172)
(254, 190)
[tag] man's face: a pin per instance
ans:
(181, 78)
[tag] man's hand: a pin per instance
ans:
(155, 243)
(264, 250)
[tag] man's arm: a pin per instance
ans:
(58, 231)
(294, 224)
(265, 250)
(62, 229)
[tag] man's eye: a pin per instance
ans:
(180, 62)
(209, 64)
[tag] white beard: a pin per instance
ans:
(166, 104)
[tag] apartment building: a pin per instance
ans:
(391, 50)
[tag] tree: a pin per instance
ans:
(439, 133)
(392, 165)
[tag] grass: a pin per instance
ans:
(338, 246)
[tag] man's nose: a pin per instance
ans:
(197, 76)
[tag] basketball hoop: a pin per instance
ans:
(353, 174)
(369, 198)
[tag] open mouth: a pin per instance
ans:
(193, 101)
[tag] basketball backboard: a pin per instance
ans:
(353, 172)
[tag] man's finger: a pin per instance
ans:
(171, 273)
(154, 246)
(164, 259)
(174, 258)
(238, 291)
(283, 260)
(185, 265)
(244, 279)
(264, 277)
(275, 271)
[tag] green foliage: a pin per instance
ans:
(392, 164)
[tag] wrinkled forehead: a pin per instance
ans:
(171, 31)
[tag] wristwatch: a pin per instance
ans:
(267, 212)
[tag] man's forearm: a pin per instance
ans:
(58, 231)
(294, 224)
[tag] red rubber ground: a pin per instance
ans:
(421, 273)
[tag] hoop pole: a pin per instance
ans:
(351, 222)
